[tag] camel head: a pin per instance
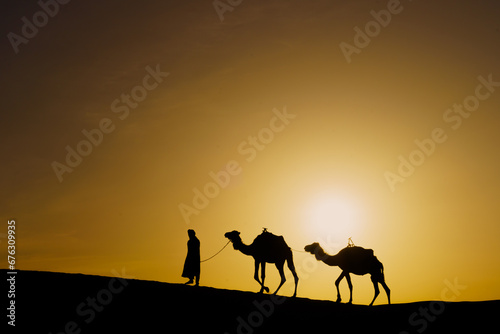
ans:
(234, 237)
(312, 248)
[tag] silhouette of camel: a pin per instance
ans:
(269, 248)
(356, 260)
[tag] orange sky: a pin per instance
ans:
(313, 135)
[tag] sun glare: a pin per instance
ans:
(332, 215)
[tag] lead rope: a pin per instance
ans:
(349, 244)
(217, 252)
(296, 250)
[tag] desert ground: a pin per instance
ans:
(48, 302)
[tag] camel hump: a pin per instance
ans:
(368, 251)
(267, 238)
(358, 252)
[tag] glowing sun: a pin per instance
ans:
(332, 215)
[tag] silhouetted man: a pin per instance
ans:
(192, 263)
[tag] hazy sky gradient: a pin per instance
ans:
(321, 178)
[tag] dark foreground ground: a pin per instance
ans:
(73, 303)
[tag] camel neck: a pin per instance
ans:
(330, 260)
(245, 249)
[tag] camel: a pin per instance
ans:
(269, 248)
(356, 260)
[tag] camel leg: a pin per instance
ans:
(377, 291)
(263, 275)
(256, 274)
(387, 291)
(291, 266)
(348, 278)
(337, 282)
(256, 277)
(279, 266)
